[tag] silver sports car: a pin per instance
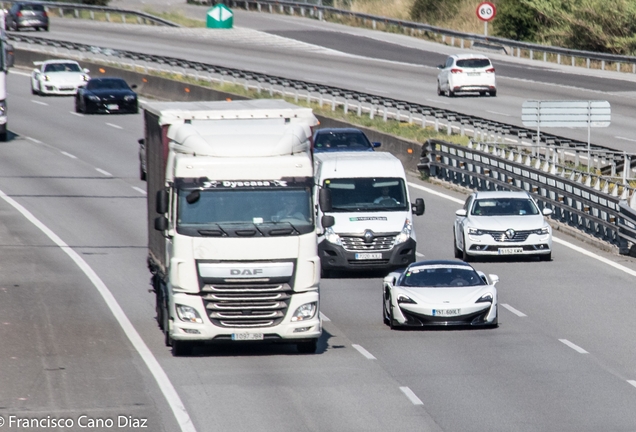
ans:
(440, 293)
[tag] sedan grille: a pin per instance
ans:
(246, 305)
(357, 244)
(501, 236)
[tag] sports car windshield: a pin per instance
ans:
(62, 67)
(367, 194)
(111, 84)
(441, 276)
(504, 207)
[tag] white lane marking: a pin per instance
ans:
(632, 382)
(168, 390)
(114, 125)
(625, 139)
(39, 102)
(34, 140)
(76, 114)
(573, 346)
(419, 254)
(438, 101)
(412, 397)
(376, 91)
(324, 317)
(69, 155)
(513, 310)
(106, 173)
(364, 352)
(499, 113)
(554, 239)
(140, 190)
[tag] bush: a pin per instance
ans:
(434, 11)
(516, 20)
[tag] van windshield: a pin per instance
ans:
(367, 194)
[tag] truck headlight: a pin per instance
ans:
(405, 234)
(188, 314)
(332, 237)
(305, 312)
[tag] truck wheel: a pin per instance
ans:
(182, 348)
(3, 137)
(325, 274)
(307, 347)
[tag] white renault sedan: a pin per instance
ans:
(466, 73)
(495, 223)
(58, 77)
(440, 293)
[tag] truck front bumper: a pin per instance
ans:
(335, 257)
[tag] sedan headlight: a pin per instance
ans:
(129, 98)
(188, 314)
(405, 234)
(542, 231)
(401, 298)
(332, 237)
(305, 312)
(486, 298)
(475, 232)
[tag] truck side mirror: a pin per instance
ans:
(324, 199)
(418, 208)
(327, 221)
(162, 201)
(161, 223)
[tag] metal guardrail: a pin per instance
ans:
(592, 203)
(591, 209)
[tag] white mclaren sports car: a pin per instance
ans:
(494, 223)
(58, 77)
(440, 293)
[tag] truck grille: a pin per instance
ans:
(358, 244)
(501, 236)
(246, 305)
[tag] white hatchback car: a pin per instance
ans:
(466, 73)
(58, 77)
(497, 223)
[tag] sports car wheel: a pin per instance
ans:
(465, 256)
(78, 108)
(457, 252)
(439, 89)
(385, 314)
(493, 93)
(33, 92)
(392, 322)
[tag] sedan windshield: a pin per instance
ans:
(504, 207)
(441, 276)
(367, 194)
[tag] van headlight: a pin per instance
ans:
(405, 234)
(332, 237)
(305, 312)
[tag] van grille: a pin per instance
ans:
(357, 244)
(246, 305)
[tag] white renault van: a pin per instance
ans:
(369, 201)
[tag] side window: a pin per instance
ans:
(468, 202)
(449, 62)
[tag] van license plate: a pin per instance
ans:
(247, 336)
(368, 256)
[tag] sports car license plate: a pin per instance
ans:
(446, 312)
(368, 256)
(112, 106)
(247, 336)
(510, 251)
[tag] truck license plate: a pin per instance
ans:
(368, 256)
(510, 251)
(247, 336)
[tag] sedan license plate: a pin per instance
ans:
(247, 336)
(446, 312)
(473, 74)
(510, 251)
(112, 106)
(368, 256)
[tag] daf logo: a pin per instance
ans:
(510, 233)
(368, 236)
(246, 272)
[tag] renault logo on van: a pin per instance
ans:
(368, 236)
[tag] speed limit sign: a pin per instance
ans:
(486, 11)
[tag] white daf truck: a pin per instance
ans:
(231, 217)
(6, 61)
(373, 213)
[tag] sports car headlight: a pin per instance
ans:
(332, 237)
(405, 299)
(475, 232)
(188, 314)
(129, 98)
(3, 108)
(85, 77)
(305, 312)
(486, 298)
(93, 98)
(542, 231)
(45, 77)
(405, 234)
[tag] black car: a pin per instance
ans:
(342, 139)
(106, 95)
(23, 15)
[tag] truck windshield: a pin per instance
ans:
(213, 207)
(367, 194)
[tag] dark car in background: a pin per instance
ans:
(24, 15)
(107, 95)
(342, 139)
